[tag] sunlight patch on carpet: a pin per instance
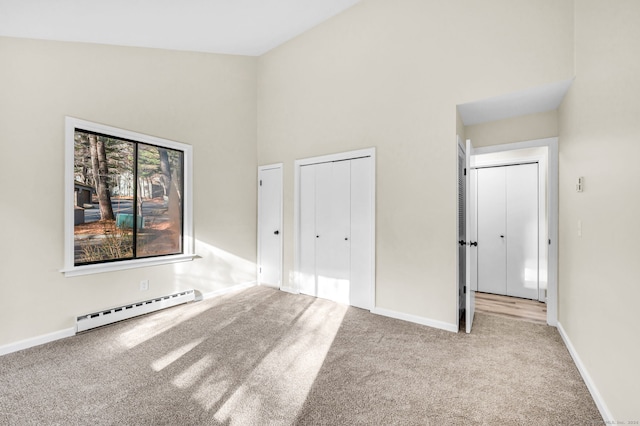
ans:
(277, 388)
(158, 323)
(174, 355)
(191, 375)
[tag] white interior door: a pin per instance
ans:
(492, 245)
(522, 231)
(270, 225)
(472, 219)
(508, 230)
(471, 275)
(462, 229)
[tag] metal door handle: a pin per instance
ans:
(276, 233)
(501, 236)
(475, 243)
(462, 242)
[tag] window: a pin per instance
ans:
(128, 199)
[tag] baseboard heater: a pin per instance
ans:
(98, 319)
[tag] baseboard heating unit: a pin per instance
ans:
(98, 319)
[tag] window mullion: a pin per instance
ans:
(134, 225)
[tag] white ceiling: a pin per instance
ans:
(239, 27)
(529, 101)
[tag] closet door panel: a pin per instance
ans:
(492, 230)
(308, 230)
(332, 230)
(522, 231)
(360, 241)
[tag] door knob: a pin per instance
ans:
(474, 243)
(276, 233)
(346, 239)
(462, 242)
(501, 236)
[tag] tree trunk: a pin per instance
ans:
(140, 194)
(101, 177)
(165, 169)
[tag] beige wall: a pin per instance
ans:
(600, 140)
(517, 129)
(389, 74)
(207, 101)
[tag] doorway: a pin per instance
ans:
(334, 236)
(529, 152)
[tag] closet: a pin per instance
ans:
(335, 231)
(508, 234)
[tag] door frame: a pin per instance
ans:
(259, 243)
(461, 282)
(471, 232)
(552, 209)
(469, 282)
(349, 155)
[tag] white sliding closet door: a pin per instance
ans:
(492, 221)
(333, 218)
(360, 241)
(335, 231)
(522, 229)
(508, 230)
(307, 268)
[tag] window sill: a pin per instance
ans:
(125, 264)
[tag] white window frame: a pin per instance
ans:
(70, 269)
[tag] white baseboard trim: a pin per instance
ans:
(226, 290)
(291, 290)
(597, 398)
(36, 341)
(68, 332)
(416, 319)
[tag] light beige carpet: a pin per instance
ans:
(265, 357)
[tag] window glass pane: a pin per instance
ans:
(159, 197)
(103, 207)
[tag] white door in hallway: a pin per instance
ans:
(270, 225)
(492, 221)
(522, 231)
(507, 200)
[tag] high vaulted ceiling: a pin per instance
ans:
(239, 27)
